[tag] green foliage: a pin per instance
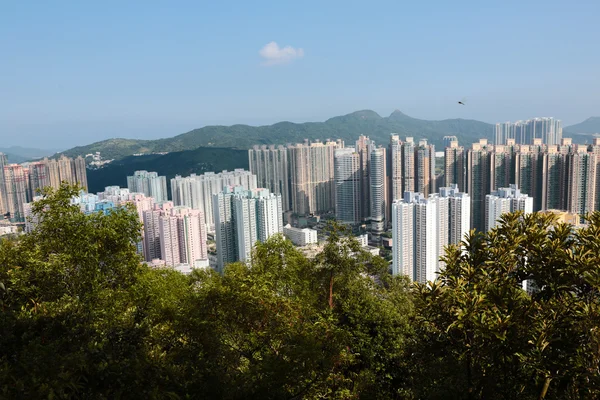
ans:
(198, 161)
(347, 127)
(81, 317)
(502, 341)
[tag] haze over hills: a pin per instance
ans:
(18, 154)
(347, 127)
(590, 125)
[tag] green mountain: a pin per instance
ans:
(200, 160)
(590, 125)
(347, 127)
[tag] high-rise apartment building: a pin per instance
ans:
(478, 181)
(197, 191)
(425, 168)
(15, 183)
(395, 169)
(548, 130)
(243, 217)
(581, 190)
(408, 166)
(3, 199)
(348, 186)
(379, 214)
(447, 141)
(270, 165)
(312, 177)
(505, 200)
(501, 165)
(49, 172)
(150, 184)
(454, 165)
(364, 147)
(420, 230)
(176, 235)
(459, 213)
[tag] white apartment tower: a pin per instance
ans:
(150, 184)
(348, 183)
(379, 197)
(459, 213)
(243, 217)
(419, 235)
(505, 200)
(197, 191)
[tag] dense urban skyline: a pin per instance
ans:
(160, 71)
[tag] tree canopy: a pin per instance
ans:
(82, 317)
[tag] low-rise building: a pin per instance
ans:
(300, 237)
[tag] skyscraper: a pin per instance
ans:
(459, 213)
(348, 185)
(312, 177)
(548, 130)
(505, 200)
(478, 181)
(149, 183)
(408, 166)
(364, 147)
(3, 199)
(454, 165)
(39, 177)
(243, 217)
(80, 172)
(270, 165)
(15, 183)
(425, 168)
(395, 168)
(379, 197)
(581, 190)
(176, 235)
(419, 234)
(197, 191)
(447, 141)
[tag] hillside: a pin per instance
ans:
(590, 125)
(347, 127)
(183, 163)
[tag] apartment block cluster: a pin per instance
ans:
(19, 183)
(563, 176)
(357, 184)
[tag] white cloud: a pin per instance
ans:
(273, 54)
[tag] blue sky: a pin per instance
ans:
(73, 72)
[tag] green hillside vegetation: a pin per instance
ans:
(347, 127)
(200, 160)
(82, 318)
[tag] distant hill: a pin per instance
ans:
(197, 161)
(347, 127)
(21, 154)
(590, 125)
(14, 159)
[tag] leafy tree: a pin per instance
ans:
(81, 318)
(288, 327)
(480, 335)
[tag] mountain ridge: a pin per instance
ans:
(589, 126)
(347, 127)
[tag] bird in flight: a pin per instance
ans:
(462, 102)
